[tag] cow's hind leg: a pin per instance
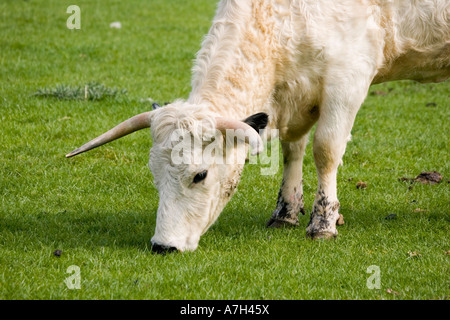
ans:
(290, 196)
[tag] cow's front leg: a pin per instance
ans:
(330, 139)
(328, 151)
(290, 196)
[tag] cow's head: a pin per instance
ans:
(196, 164)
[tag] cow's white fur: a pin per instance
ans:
(301, 62)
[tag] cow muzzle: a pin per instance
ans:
(162, 249)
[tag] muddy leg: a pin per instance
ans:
(290, 196)
(338, 111)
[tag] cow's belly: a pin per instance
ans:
(424, 66)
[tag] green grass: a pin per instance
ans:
(100, 208)
(89, 91)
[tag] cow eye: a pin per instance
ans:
(200, 176)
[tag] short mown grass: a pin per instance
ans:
(99, 208)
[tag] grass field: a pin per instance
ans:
(99, 209)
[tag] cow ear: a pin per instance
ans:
(257, 121)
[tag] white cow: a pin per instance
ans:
(300, 62)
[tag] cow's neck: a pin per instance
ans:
(234, 73)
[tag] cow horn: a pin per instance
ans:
(252, 137)
(133, 124)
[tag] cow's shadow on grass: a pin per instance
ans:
(135, 228)
(78, 229)
(122, 229)
(69, 229)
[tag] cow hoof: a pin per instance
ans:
(340, 220)
(273, 223)
(321, 235)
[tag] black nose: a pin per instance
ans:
(161, 249)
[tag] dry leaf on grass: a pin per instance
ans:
(390, 291)
(425, 177)
(413, 254)
(361, 185)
